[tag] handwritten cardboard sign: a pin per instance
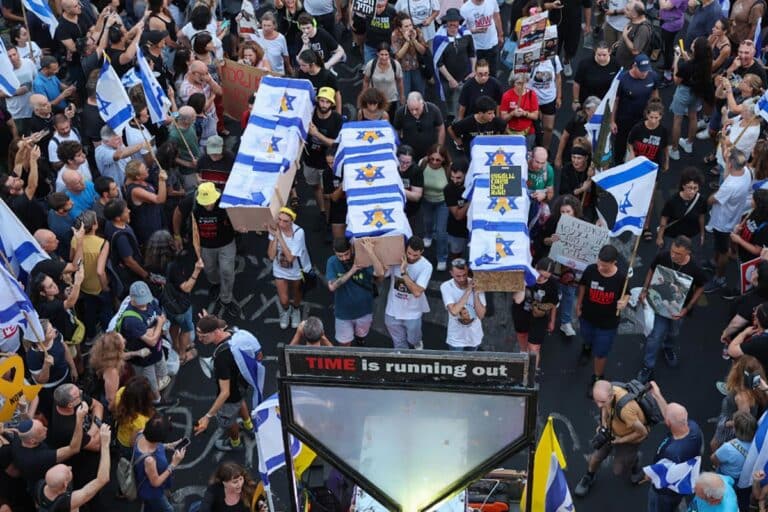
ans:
(578, 242)
(239, 82)
(506, 181)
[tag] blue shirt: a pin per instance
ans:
(728, 503)
(353, 299)
(732, 458)
(61, 225)
(702, 21)
(82, 201)
(633, 96)
(133, 329)
(50, 87)
(681, 450)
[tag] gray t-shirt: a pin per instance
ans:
(385, 81)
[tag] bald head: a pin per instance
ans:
(58, 477)
(677, 415)
(40, 105)
(602, 392)
(187, 115)
(47, 239)
(710, 487)
(73, 180)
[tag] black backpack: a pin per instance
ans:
(641, 394)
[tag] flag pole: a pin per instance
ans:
(23, 312)
(146, 141)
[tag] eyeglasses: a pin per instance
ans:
(459, 263)
(435, 159)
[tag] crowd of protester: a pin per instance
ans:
(132, 223)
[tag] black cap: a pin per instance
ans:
(153, 36)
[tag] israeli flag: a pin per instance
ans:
(558, 497)
(365, 172)
(373, 139)
(495, 150)
(758, 39)
(502, 208)
(676, 477)
(19, 247)
(114, 106)
(157, 101)
(380, 212)
(8, 80)
(246, 351)
(757, 457)
(15, 306)
(439, 43)
(761, 107)
(290, 101)
(599, 125)
(130, 79)
(631, 186)
(42, 10)
(501, 246)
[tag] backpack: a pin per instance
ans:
(641, 394)
(393, 65)
(127, 313)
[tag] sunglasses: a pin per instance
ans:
(459, 263)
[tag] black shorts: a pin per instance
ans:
(522, 318)
(722, 241)
(548, 109)
(338, 212)
(358, 25)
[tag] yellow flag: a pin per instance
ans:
(12, 390)
(303, 459)
(548, 444)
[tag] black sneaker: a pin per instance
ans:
(584, 485)
(645, 375)
(592, 381)
(585, 355)
(213, 292)
(671, 357)
(232, 309)
(636, 476)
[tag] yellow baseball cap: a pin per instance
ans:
(207, 194)
(327, 93)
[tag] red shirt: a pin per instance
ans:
(529, 102)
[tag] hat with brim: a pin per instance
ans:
(141, 294)
(214, 145)
(643, 63)
(452, 14)
(207, 194)
(327, 93)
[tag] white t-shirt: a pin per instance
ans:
(19, 106)
(542, 80)
(36, 53)
(133, 136)
(401, 303)
(619, 21)
(84, 171)
(318, 7)
(10, 339)
(281, 269)
(478, 16)
(459, 334)
(275, 49)
(53, 146)
(726, 212)
(420, 10)
(189, 31)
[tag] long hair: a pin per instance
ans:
(760, 159)
(107, 352)
(230, 470)
(257, 49)
(136, 399)
(159, 251)
(702, 68)
(569, 200)
(760, 211)
(734, 382)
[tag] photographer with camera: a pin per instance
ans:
(621, 431)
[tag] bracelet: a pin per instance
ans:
(177, 237)
(170, 468)
(209, 416)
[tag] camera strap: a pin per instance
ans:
(610, 416)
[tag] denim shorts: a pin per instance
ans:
(684, 100)
(601, 340)
(184, 322)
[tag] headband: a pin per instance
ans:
(288, 212)
(578, 150)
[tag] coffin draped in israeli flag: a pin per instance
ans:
(366, 172)
(499, 238)
(271, 142)
(375, 139)
(376, 215)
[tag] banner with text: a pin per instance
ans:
(239, 83)
(578, 242)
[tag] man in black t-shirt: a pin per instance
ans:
(482, 84)
(483, 122)
(73, 25)
(597, 304)
(753, 341)
(745, 62)
(310, 68)
(378, 29)
(230, 385)
(216, 164)
(419, 124)
(318, 40)
(457, 210)
(665, 329)
(323, 130)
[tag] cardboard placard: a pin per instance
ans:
(578, 242)
(389, 249)
(526, 58)
(506, 181)
(747, 271)
(505, 281)
(668, 291)
(239, 83)
(253, 218)
(532, 29)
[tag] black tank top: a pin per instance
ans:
(170, 26)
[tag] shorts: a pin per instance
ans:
(521, 317)
(227, 414)
(684, 101)
(456, 244)
(548, 109)
(348, 330)
(312, 175)
(722, 241)
(358, 25)
(338, 212)
(153, 373)
(184, 322)
(601, 340)
(625, 456)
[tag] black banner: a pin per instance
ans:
(506, 181)
(417, 367)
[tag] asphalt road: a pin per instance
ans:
(562, 387)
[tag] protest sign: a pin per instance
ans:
(505, 181)
(578, 242)
(549, 48)
(668, 291)
(748, 272)
(532, 29)
(526, 58)
(239, 83)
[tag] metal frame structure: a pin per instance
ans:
(289, 376)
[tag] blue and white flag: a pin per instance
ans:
(757, 457)
(114, 105)
(269, 440)
(290, 101)
(19, 247)
(42, 10)
(360, 139)
(364, 172)
(761, 107)
(439, 44)
(494, 150)
(758, 39)
(599, 124)
(157, 101)
(246, 351)
(558, 496)
(500, 246)
(130, 79)
(631, 187)
(9, 82)
(376, 212)
(16, 308)
(673, 476)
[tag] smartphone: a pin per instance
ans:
(751, 380)
(183, 443)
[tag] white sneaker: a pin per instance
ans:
(427, 242)
(685, 145)
(441, 266)
(674, 154)
(568, 70)
(285, 316)
(702, 124)
(163, 383)
(295, 317)
(703, 134)
(567, 329)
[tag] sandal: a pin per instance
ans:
(647, 235)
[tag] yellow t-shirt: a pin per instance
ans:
(91, 249)
(126, 432)
(630, 413)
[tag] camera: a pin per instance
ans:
(602, 437)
